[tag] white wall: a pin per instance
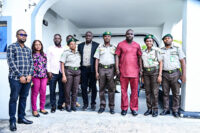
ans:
(191, 32)
(4, 89)
(20, 18)
(56, 24)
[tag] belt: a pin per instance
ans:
(171, 71)
(73, 68)
(86, 66)
(150, 69)
(106, 66)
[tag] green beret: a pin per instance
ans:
(149, 36)
(107, 33)
(167, 35)
(71, 40)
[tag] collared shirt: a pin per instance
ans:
(87, 54)
(71, 59)
(128, 58)
(40, 66)
(171, 57)
(151, 58)
(106, 55)
(20, 61)
(53, 59)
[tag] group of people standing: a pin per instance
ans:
(88, 63)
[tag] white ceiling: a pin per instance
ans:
(119, 13)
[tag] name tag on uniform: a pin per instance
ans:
(171, 58)
(112, 50)
(150, 61)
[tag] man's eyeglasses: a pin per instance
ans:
(25, 35)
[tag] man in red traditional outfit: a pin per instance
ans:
(129, 66)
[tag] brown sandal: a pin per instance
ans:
(35, 114)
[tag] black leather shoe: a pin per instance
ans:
(112, 111)
(68, 109)
(84, 108)
(175, 114)
(53, 109)
(154, 113)
(24, 121)
(73, 109)
(13, 126)
(116, 91)
(148, 112)
(165, 112)
(101, 110)
(134, 113)
(124, 112)
(93, 107)
(60, 107)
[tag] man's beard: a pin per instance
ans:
(129, 40)
(57, 44)
(167, 44)
(21, 41)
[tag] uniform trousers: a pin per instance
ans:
(171, 81)
(71, 87)
(106, 76)
(151, 89)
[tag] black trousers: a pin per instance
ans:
(88, 78)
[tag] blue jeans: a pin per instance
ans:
(52, 85)
(18, 90)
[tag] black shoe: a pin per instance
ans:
(134, 113)
(165, 112)
(116, 91)
(44, 112)
(13, 126)
(175, 114)
(101, 110)
(74, 109)
(112, 111)
(53, 109)
(84, 108)
(124, 112)
(60, 107)
(148, 112)
(93, 107)
(24, 121)
(68, 109)
(154, 113)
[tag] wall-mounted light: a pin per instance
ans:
(31, 4)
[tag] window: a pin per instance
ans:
(3, 36)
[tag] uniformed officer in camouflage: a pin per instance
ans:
(152, 75)
(173, 59)
(70, 67)
(105, 71)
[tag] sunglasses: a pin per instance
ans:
(25, 35)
